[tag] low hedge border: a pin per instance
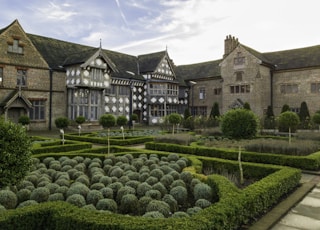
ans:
(66, 147)
(235, 207)
(113, 140)
(310, 162)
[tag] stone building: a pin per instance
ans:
(46, 78)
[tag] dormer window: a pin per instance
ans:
(15, 46)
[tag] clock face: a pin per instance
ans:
(86, 73)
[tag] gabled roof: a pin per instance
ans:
(58, 53)
(295, 58)
(210, 69)
(149, 62)
(11, 97)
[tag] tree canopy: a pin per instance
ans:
(15, 153)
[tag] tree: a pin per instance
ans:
(61, 122)
(269, 120)
(239, 123)
(316, 119)
(215, 113)
(285, 108)
(186, 114)
(289, 121)
(246, 105)
(122, 120)
(24, 120)
(107, 121)
(15, 153)
(304, 116)
(80, 120)
(174, 119)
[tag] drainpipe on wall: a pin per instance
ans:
(50, 98)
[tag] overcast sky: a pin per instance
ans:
(192, 30)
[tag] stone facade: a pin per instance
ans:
(46, 78)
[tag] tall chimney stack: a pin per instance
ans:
(230, 43)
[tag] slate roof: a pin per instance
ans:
(149, 62)
(58, 53)
(210, 69)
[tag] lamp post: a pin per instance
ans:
(192, 84)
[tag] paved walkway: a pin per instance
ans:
(306, 214)
(299, 211)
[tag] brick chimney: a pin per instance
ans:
(230, 43)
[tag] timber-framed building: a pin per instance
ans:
(46, 78)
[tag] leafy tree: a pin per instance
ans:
(122, 120)
(304, 116)
(316, 119)
(269, 121)
(215, 111)
(239, 123)
(24, 120)
(80, 120)
(246, 105)
(288, 121)
(61, 122)
(186, 114)
(174, 119)
(134, 117)
(15, 153)
(107, 120)
(270, 112)
(285, 108)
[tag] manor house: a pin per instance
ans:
(45, 78)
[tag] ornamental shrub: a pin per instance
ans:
(160, 206)
(151, 180)
(203, 191)
(144, 176)
(194, 210)
(90, 207)
(94, 196)
(180, 194)
(63, 190)
(52, 187)
(84, 179)
(154, 194)
(106, 180)
(117, 172)
(124, 191)
(167, 180)
(63, 182)
(124, 179)
(186, 177)
(61, 122)
(107, 120)
(80, 120)
(239, 124)
(143, 188)
(154, 214)
(128, 204)
(8, 199)
(15, 153)
(172, 202)
(180, 215)
(143, 203)
(157, 173)
(97, 186)
(178, 182)
(288, 120)
(77, 200)
(122, 120)
(27, 203)
(40, 194)
(107, 204)
(115, 186)
(23, 195)
(133, 176)
(56, 197)
(161, 188)
(107, 192)
(202, 203)
(78, 188)
(133, 184)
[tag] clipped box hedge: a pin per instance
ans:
(234, 208)
(56, 146)
(310, 162)
(131, 140)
